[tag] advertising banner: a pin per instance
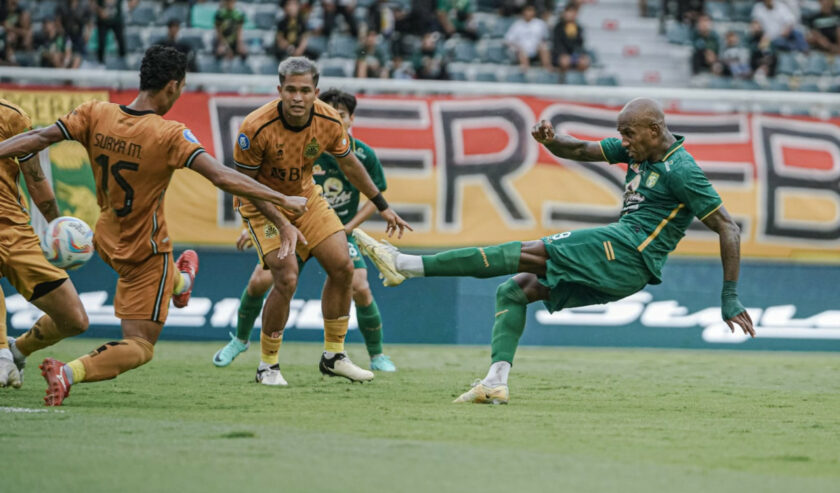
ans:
(794, 307)
(465, 171)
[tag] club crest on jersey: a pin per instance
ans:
(189, 136)
(312, 149)
(270, 231)
(317, 170)
(243, 141)
(651, 180)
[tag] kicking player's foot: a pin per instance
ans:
(383, 255)
(271, 376)
(9, 373)
(483, 394)
(381, 362)
(341, 366)
(57, 386)
(227, 354)
(188, 264)
(17, 356)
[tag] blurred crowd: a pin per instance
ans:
(400, 39)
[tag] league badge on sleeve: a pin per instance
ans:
(189, 136)
(243, 141)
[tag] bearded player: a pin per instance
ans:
(664, 191)
(134, 152)
(278, 145)
(344, 200)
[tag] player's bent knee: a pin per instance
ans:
(142, 352)
(285, 282)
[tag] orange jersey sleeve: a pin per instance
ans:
(183, 146)
(248, 150)
(76, 124)
(337, 143)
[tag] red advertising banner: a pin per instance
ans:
(465, 171)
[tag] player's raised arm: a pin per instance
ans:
(359, 177)
(39, 188)
(244, 186)
(566, 146)
(30, 142)
(732, 310)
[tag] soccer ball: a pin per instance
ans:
(67, 242)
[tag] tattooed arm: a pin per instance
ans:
(39, 188)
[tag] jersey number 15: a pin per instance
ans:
(116, 169)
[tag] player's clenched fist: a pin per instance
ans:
(543, 132)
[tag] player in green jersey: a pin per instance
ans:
(344, 200)
(664, 191)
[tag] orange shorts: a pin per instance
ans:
(144, 288)
(318, 223)
(22, 261)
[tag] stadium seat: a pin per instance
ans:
(487, 5)
(742, 10)
(236, 66)
(28, 58)
(574, 78)
(817, 64)
(202, 15)
(542, 76)
(208, 63)
(144, 14)
(177, 11)
(484, 23)
(779, 84)
(366, 3)
(44, 10)
(264, 65)
(113, 62)
(719, 10)
(457, 71)
(265, 17)
(500, 28)
(678, 33)
(133, 40)
(336, 67)
(809, 86)
(133, 60)
(317, 45)
(254, 41)
(461, 50)
(514, 74)
(341, 46)
(494, 51)
(606, 80)
(195, 39)
(487, 73)
(745, 84)
(787, 64)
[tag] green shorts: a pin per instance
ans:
(355, 255)
(592, 266)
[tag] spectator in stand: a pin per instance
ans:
(229, 21)
(55, 48)
(706, 48)
(18, 25)
(109, 17)
(371, 58)
(736, 57)
(762, 55)
(173, 28)
(779, 25)
(77, 22)
(428, 61)
(419, 20)
(7, 55)
(292, 36)
(335, 8)
(824, 28)
(568, 41)
(528, 35)
(456, 17)
(382, 18)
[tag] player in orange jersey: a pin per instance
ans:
(134, 152)
(278, 144)
(23, 263)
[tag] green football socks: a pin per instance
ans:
(511, 307)
(370, 325)
(497, 260)
(249, 310)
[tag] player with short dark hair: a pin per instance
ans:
(134, 152)
(664, 191)
(278, 144)
(343, 197)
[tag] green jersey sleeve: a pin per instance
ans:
(613, 151)
(373, 166)
(691, 187)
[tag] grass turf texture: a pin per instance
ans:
(579, 420)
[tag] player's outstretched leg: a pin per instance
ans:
(512, 298)
(250, 305)
(187, 265)
(483, 262)
(284, 275)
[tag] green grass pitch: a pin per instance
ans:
(580, 420)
